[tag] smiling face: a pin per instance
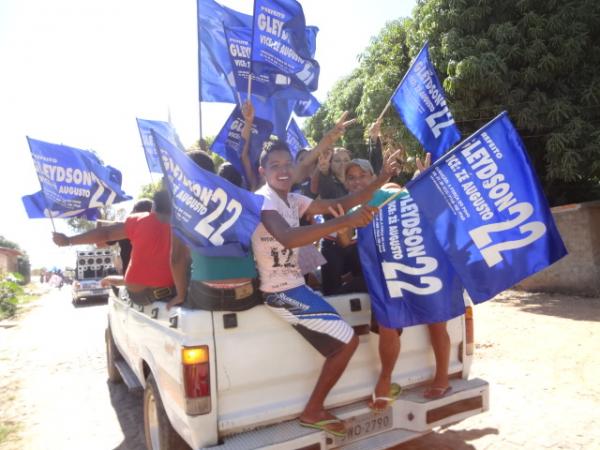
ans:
(357, 179)
(340, 158)
(277, 170)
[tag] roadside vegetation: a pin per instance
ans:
(13, 294)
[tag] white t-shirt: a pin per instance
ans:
(278, 266)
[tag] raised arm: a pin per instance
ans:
(389, 169)
(180, 263)
(292, 237)
(322, 170)
(304, 169)
(248, 113)
(375, 150)
(100, 235)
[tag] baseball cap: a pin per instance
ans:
(362, 163)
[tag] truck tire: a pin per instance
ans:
(158, 431)
(112, 355)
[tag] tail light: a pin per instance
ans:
(196, 379)
(469, 332)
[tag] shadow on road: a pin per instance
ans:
(448, 440)
(129, 409)
(558, 305)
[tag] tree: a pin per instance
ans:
(536, 59)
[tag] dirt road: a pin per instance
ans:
(538, 351)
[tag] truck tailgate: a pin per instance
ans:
(266, 370)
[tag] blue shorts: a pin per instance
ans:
(315, 319)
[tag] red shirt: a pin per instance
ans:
(151, 247)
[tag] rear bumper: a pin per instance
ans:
(413, 416)
(91, 293)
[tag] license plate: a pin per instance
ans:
(367, 424)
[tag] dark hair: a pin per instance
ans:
(143, 205)
(230, 173)
(162, 202)
(203, 159)
(270, 147)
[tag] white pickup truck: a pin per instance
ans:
(239, 380)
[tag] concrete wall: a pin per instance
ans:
(579, 271)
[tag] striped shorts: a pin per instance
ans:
(315, 319)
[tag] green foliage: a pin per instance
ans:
(9, 292)
(148, 190)
(537, 60)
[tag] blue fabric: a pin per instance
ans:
(295, 138)
(421, 103)
(408, 275)
(216, 74)
(306, 108)
(35, 207)
(280, 43)
(74, 182)
(211, 215)
(488, 210)
(264, 85)
(229, 143)
(164, 129)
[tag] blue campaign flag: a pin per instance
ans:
(421, 103)
(217, 83)
(295, 138)
(408, 276)
(210, 214)
(306, 108)
(164, 129)
(280, 42)
(73, 181)
(35, 207)
(229, 142)
(488, 210)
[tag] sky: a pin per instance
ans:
(78, 72)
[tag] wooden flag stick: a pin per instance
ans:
(384, 110)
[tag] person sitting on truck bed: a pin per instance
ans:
(143, 205)
(275, 242)
(359, 173)
(217, 282)
(148, 277)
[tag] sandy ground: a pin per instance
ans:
(538, 351)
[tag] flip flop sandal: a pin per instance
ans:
(395, 390)
(436, 392)
(322, 425)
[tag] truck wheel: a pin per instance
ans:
(112, 355)
(159, 433)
